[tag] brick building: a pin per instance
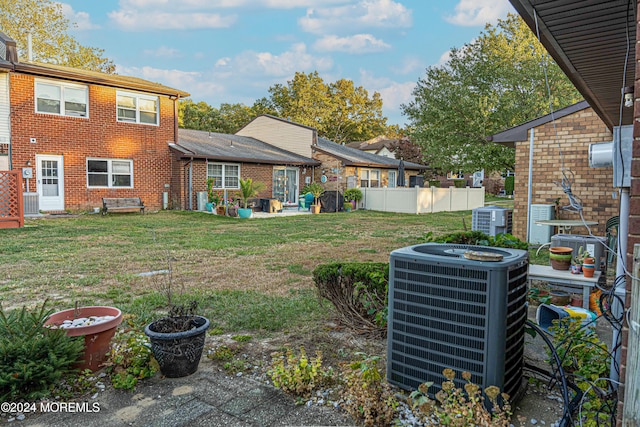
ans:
(83, 134)
(285, 156)
(563, 138)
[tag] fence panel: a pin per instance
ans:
(422, 200)
(11, 208)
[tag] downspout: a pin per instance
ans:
(190, 191)
(530, 190)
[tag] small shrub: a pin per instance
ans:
(297, 374)
(130, 359)
(458, 183)
(358, 290)
(368, 398)
(223, 353)
(509, 185)
(353, 194)
(462, 407)
(434, 183)
(33, 358)
(503, 240)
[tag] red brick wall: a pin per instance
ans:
(99, 136)
(571, 135)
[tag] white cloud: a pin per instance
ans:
(284, 64)
(409, 65)
(479, 12)
(163, 52)
(134, 20)
(81, 19)
(393, 94)
(444, 58)
(220, 4)
(173, 78)
(359, 43)
(364, 14)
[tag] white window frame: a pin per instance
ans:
(392, 182)
(368, 180)
(62, 86)
(137, 97)
(223, 178)
(452, 175)
(109, 173)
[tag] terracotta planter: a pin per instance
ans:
(315, 209)
(588, 270)
(220, 210)
(559, 297)
(576, 300)
(560, 257)
(97, 337)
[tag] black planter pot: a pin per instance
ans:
(178, 353)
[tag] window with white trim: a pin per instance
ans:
(224, 175)
(137, 108)
(454, 175)
(110, 173)
(370, 178)
(393, 179)
(60, 98)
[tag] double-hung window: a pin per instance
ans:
(111, 173)
(370, 178)
(65, 99)
(224, 175)
(137, 108)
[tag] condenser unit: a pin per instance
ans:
(492, 220)
(540, 233)
(31, 204)
(447, 311)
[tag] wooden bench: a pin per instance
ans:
(110, 204)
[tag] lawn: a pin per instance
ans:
(247, 274)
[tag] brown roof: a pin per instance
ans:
(95, 77)
(594, 42)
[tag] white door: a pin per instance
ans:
(50, 182)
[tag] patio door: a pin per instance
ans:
(50, 182)
(285, 185)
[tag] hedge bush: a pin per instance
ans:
(509, 185)
(33, 358)
(358, 290)
(479, 238)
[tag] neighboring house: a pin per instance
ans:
(567, 138)
(380, 145)
(284, 155)
(84, 134)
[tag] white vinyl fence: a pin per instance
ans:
(419, 200)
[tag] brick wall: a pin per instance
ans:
(571, 135)
(98, 136)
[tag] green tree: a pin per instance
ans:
(339, 111)
(50, 39)
(493, 83)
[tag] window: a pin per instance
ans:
(224, 175)
(454, 175)
(370, 178)
(109, 173)
(64, 99)
(136, 108)
(393, 180)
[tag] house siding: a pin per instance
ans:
(571, 135)
(287, 136)
(98, 136)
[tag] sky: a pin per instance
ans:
(232, 51)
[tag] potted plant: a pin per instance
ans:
(560, 257)
(248, 189)
(353, 195)
(578, 260)
(347, 206)
(210, 195)
(177, 340)
(316, 190)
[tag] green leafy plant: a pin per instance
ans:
(316, 189)
(358, 290)
(462, 407)
(130, 359)
(353, 194)
(33, 358)
(297, 374)
(586, 359)
(502, 240)
(248, 189)
(509, 185)
(368, 398)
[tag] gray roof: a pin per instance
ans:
(354, 157)
(227, 147)
(520, 132)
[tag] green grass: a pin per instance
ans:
(248, 275)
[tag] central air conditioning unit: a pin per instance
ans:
(492, 220)
(31, 204)
(202, 199)
(447, 311)
(540, 233)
